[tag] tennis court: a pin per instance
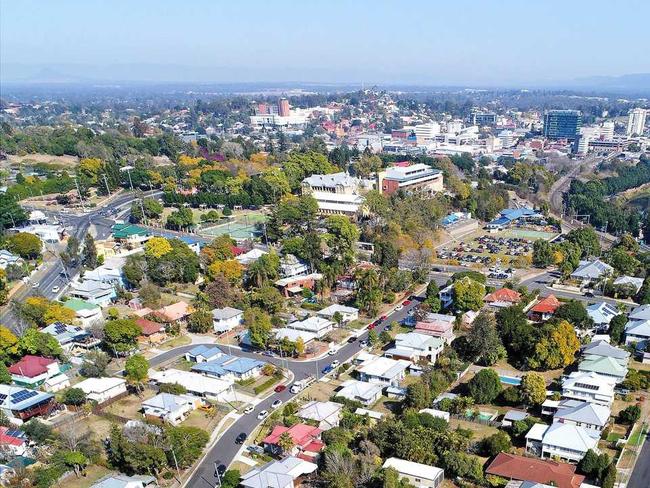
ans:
(245, 226)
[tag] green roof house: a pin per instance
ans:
(130, 233)
(86, 313)
(605, 366)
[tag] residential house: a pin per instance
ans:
(123, 481)
(109, 272)
(177, 313)
(101, 390)
(248, 258)
(96, 292)
(360, 391)
(384, 371)
(71, 337)
(634, 283)
(604, 366)
(295, 284)
(203, 353)
(306, 440)
(20, 404)
(637, 328)
(133, 235)
(434, 412)
(602, 314)
(417, 474)
(152, 332)
(512, 416)
(529, 484)
(230, 368)
(7, 258)
(348, 314)
(197, 384)
(291, 266)
(169, 408)
(521, 468)
(590, 416)
(292, 335)
(227, 318)
(564, 441)
(416, 347)
(544, 309)
(598, 349)
(589, 387)
(327, 414)
(13, 440)
(286, 473)
(34, 371)
(505, 297)
(315, 325)
(589, 273)
(446, 296)
(373, 415)
(86, 313)
(437, 325)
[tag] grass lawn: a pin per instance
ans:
(243, 468)
(175, 342)
(98, 427)
(93, 473)
(130, 405)
(358, 324)
(637, 437)
(387, 405)
(480, 431)
(634, 364)
(203, 420)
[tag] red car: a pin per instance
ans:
(372, 325)
(406, 303)
(279, 388)
(383, 317)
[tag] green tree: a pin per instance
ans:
(630, 414)
(121, 335)
(369, 292)
(76, 460)
(587, 241)
(341, 238)
(173, 388)
(617, 328)
(542, 253)
(496, 443)
(95, 364)
(468, 294)
(186, 443)
(485, 386)
(200, 321)
(556, 348)
(268, 298)
(153, 209)
(432, 298)
(259, 327)
(39, 343)
(89, 254)
(373, 337)
(483, 341)
(8, 345)
(11, 214)
(533, 389)
(26, 245)
(623, 262)
(136, 369)
(181, 219)
(230, 479)
(418, 396)
(74, 396)
(609, 479)
(517, 334)
(575, 313)
(285, 442)
(5, 376)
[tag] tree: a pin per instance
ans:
(432, 298)
(575, 313)
(230, 479)
(70, 256)
(220, 249)
(517, 334)
(200, 321)
(153, 209)
(609, 479)
(556, 348)
(485, 386)
(542, 253)
(630, 414)
(76, 460)
(418, 396)
(342, 235)
(221, 293)
(186, 444)
(337, 317)
(373, 337)
(594, 465)
(173, 388)
(468, 294)
(89, 254)
(181, 219)
(496, 443)
(483, 341)
(268, 298)
(533, 389)
(617, 328)
(11, 214)
(39, 343)
(157, 247)
(137, 369)
(300, 346)
(623, 262)
(285, 442)
(74, 396)
(26, 245)
(230, 269)
(150, 295)
(56, 312)
(5, 376)
(259, 327)
(368, 293)
(95, 364)
(37, 431)
(587, 241)
(8, 344)
(391, 479)
(121, 335)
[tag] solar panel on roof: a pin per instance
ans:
(60, 328)
(14, 433)
(23, 395)
(3, 397)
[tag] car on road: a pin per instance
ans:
(372, 325)
(406, 303)
(55, 289)
(352, 339)
(276, 404)
(363, 343)
(268, 353)
(36, 285)
(279, 388)
(335, 364)
(327, 369)
(399, 307)
(589, 294)
(383, 317)
(262, 415)
(331, 352)
(241, 438)
(249, 409)
(221, 469)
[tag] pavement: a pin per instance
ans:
(641, 475)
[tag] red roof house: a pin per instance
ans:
(149, 327)
(306, 440)
(13, 440)
(544, 309)
(503, 297)
(543, 471)
(31, 366)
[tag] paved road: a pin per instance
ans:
(225, 450)
(641, 475)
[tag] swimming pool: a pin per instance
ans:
(510, 380)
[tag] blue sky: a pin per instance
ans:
(432, 42)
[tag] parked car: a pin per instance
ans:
(36, 285)
(335, 364)
(406, 303)
(363, 343)
(268, 353)
(241, 438)
(279, 388)
(55, 289)
(327, 369)
(352, 339)
(399, 307)
(276, 404)
(331, 352)
(221, 469)
(249, 409)
(383, 317)
(262, 415)
(589, 294)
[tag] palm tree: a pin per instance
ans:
(286, 442)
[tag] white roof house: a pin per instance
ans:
(123, 481)
(589, 416)
(102, 389)
(278, 474)
(604, 349)
(637, 283)
(348, 313)
(250, 256)
(315, 325)
(560, 440)
(589, 271)
(195, 383)
(602, 313)
(293, 335)
(96, 292)
(169, 407)
(637, 328)
(384, 371)
(366, 393)
(589, 387)
(7, 258)
(227, 318)
(417, 474)
(327, 414)
(415, 346)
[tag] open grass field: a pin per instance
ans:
(92, 474)
(130, 405)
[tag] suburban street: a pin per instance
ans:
(641, 475)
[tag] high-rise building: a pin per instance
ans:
(283, 107)
(562, 124)
(636, 121)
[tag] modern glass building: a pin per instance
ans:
(562, 124)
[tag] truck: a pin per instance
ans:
(301, 384)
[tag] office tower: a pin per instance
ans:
(283, 107)
(562, 124)
(636, 121)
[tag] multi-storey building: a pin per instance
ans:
(562, 124)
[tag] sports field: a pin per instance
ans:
(244, 226)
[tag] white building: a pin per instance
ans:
(170, 408)
(348, 314)
(327, 414)
(383, 371)
(7, 258)
(637, 328)
(226, 319)
(414, 347)
(197, 384)
(278, 474)
(101, 390)
(560, 440)
(417, 474)
(291, 266)
(360, 391)
(636, 121)
(426, 133)
(95, 292)
(602, 313)
(336, 193)
(590, 416)
(589, 387)
(314, 325)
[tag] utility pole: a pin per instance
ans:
(108, 190)
(81, 199)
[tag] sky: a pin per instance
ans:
(491, 42)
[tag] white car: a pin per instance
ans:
(399, 307)
(276, 404)
(331, 352)
(335, 364)
(36, 285)
(249, 409)
(55, 289)
(262, 415)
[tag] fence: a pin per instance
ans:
(476, 420)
